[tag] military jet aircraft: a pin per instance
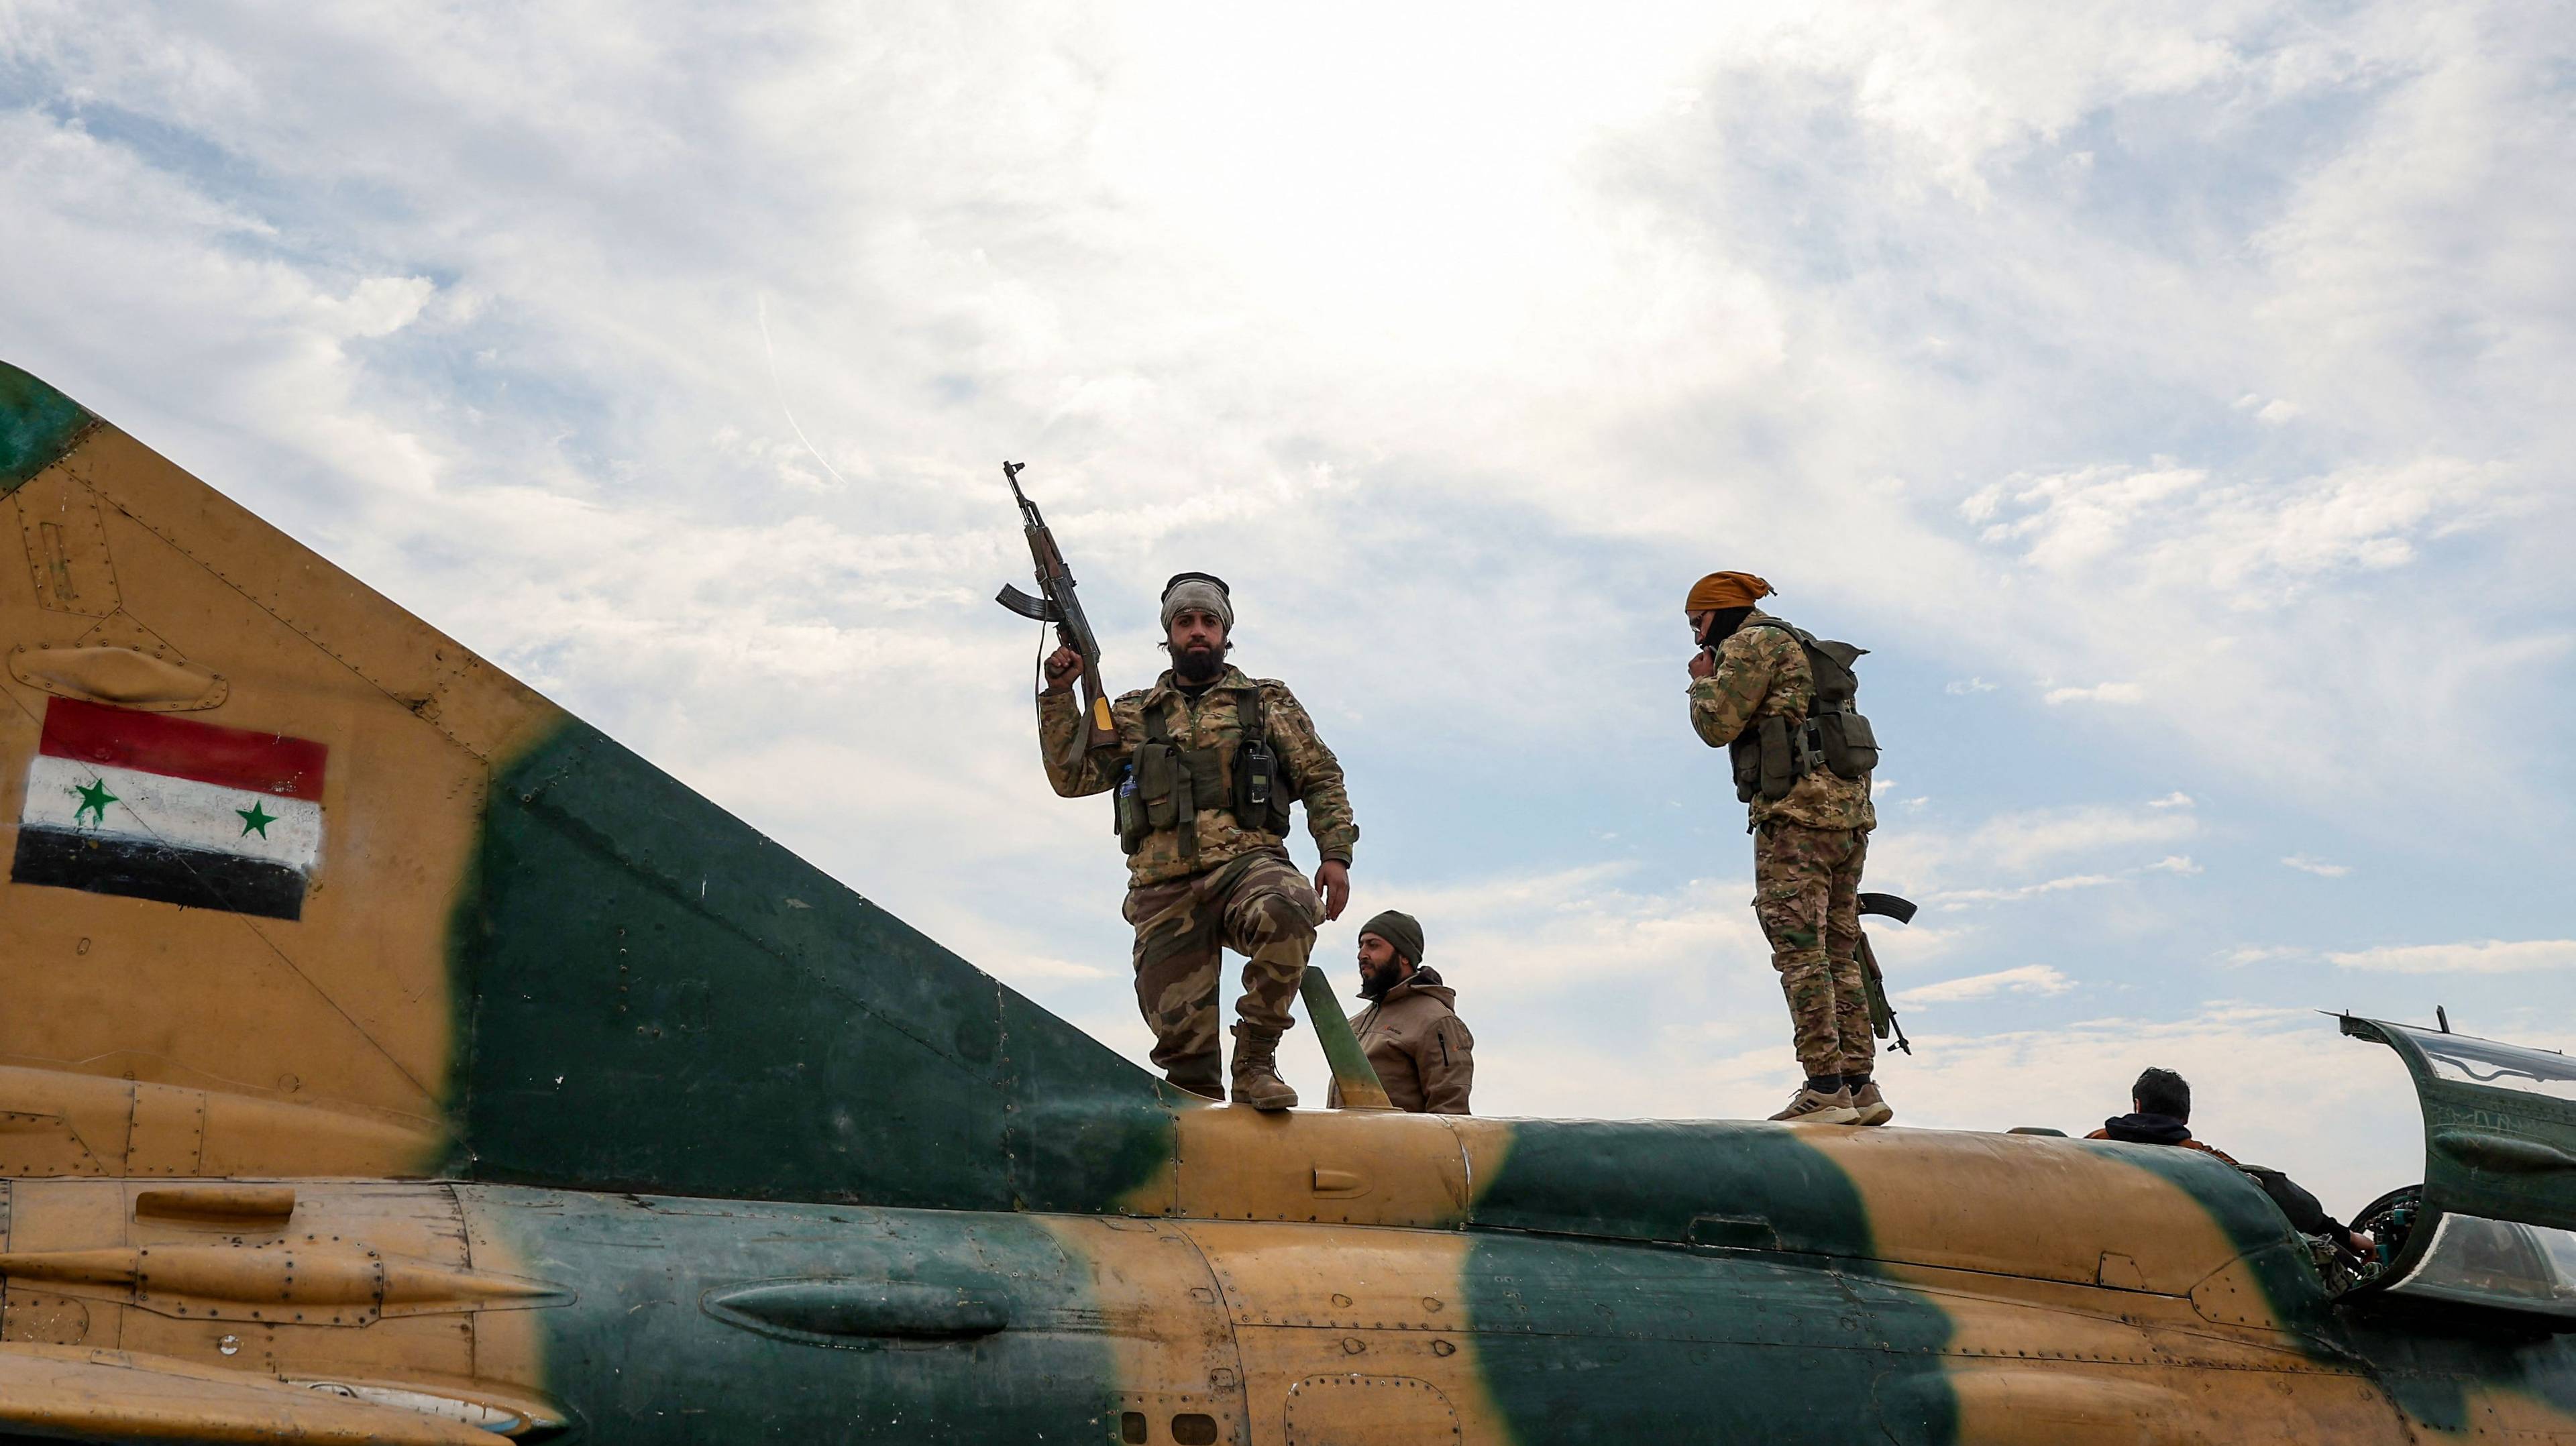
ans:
(387, 1055)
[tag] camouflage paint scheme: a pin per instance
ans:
(572, 1107)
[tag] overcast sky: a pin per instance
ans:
(2177, 401)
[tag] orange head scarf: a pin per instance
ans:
(1725, 590)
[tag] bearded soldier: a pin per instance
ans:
(1411, 1032)
(1753, 691)
(1206, 764)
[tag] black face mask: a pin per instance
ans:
(1722, 624)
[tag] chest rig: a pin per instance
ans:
(1776, 750)
(1166, 785)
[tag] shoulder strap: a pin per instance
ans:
(1256, 723)
(1840, 656)
(1156, 730)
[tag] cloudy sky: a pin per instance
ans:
(2177, 401)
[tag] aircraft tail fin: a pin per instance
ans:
(299, 885)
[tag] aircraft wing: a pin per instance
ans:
(79, 1394)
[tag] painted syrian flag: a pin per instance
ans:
(154, 807)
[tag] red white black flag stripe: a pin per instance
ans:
(154, 807)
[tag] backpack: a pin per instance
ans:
(1776, 752)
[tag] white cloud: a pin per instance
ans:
(1966, 686)
(2175, 799)
(2027, 979)
(1960, 898)
(2489, 956)
(2022, 840)
(2174, 864)
(2319, 867)
(2098, 693)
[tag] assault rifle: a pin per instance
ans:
(1882, 1016)
(1056, 604)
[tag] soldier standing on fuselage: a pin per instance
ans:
(1753, 679)
(1207, 763)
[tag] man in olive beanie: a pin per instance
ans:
(1410, 1031)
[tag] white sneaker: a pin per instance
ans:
(1815, 1107)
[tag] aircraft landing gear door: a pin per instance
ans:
(2495, 1226)
(1180, 1382)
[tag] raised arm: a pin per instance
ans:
(1723, 702)
(1072, 773)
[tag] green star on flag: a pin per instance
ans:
(94, 798)
(255, 817)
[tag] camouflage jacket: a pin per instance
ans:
(1211, 722)
(1762, 672)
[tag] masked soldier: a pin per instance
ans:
(1206, 765)
(1410, 1031)
(1753, 692)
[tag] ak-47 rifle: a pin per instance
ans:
(1882, 1015)
(1056, 604)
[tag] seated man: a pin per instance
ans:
(1414, 1039)
(2160, 1114)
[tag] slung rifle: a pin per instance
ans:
(1882, 1015)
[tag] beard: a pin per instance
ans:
(1198, 665)
(1374, 981)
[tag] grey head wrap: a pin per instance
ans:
(1196, 590)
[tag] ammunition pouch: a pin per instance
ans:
(1130, 812)
(1172, 784)
(1769, 758)
(1262, 791)
(1774, 753)
(1845, 743)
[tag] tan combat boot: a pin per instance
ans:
(1256, 1070)
(1871, 1105)
(1816, 1107)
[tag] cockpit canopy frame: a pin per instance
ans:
(2496, 1227)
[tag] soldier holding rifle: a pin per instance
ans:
(1203, 766)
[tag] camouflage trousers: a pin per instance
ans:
(1258, 905)
(1806, 892)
